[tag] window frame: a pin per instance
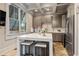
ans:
(14, 18)
(13, 33)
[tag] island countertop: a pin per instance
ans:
(36, 37)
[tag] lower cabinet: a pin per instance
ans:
(59, 37)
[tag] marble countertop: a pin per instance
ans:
(57, 30)
(54, 30)
(36, 35)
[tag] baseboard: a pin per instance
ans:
(8, 48)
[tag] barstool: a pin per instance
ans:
(38, 49)
(25, 48)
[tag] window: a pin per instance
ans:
(13, 18)
(17, 19)
(22, 21)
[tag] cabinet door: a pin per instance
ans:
(58, 37)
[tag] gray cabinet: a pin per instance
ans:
(58, 37)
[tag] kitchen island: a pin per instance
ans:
(36, 37)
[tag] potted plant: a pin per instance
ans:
(44, 31)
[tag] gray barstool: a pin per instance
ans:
(38, 49)
(25, 48)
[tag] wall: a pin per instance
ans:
(77, 29)
(5, 44)
(29, 23)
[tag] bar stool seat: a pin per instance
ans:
(41, 45)
(26, 43)
(26, 46)
(38, 47)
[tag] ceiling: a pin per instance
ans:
(46, 8)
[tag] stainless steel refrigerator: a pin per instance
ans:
(69, 36)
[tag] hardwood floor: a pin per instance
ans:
(59, 50)
(9, 53)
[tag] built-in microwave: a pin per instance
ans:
(2, 18)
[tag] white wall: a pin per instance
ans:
(11, 43)
(5, 44)
(77, 29)
(28, 22)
